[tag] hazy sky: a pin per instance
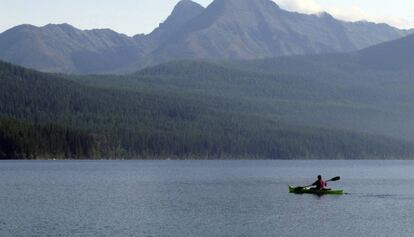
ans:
(142, 16)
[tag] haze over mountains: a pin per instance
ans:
(226, 29)
(334, 106)
(238, 79)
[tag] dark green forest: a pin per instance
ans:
(20, 140)
(329, 91)
(187, 110)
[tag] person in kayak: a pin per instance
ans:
(320, 184)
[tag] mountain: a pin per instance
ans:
(322, 94)
(247, 29)
(365, 34)
(183, 12)
(142, 117)
(396, 55)
(373, 84)
(226, 29)
(336, 91)
(63, 48)
(392, 57)
(369, 90)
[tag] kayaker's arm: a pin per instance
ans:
(307, 186)
(314, 184)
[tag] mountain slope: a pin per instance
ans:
(389, 59)
(158, 123)
(63, 48)
(182, 13)
(226, 29)
(396, 55)
(364, 34)
(370, 90)
(332, 91)
(246, 29)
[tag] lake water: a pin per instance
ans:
(203, 198)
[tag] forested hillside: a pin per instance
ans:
(372, 88)
(19, 140)
(317, 91)
(158, 115)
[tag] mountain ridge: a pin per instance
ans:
(226, 29)
(64, 48)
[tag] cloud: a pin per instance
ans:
(352, 13)
(400, 22)
(303, 6)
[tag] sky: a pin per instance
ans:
(142, 16)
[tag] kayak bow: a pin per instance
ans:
(313, 191)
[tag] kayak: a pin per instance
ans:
(318, 192)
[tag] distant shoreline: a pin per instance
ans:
(208, 159)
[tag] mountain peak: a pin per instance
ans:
(247, 4)
(27, 28)
(237, 10)
(324, 15)
(185, 6)
(245, 11)
(23, 27)
(187, 3)
(226, 29)
(63, 25)
(183, 12)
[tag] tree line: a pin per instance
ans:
(45, 115)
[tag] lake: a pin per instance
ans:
(204, 198)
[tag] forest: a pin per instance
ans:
(19, 140)
(184, 110)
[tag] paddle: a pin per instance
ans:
(337, 178)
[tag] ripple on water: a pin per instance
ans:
(200, 198)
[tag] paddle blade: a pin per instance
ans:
(335, 178)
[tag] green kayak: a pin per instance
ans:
(318, 192)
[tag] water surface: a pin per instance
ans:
(203, 198)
